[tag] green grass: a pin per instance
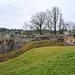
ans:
(28, 46)
(53, 60)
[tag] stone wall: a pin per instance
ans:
(4, 42)
(70, 39)
(8, 43)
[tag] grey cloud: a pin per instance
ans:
(13, 13)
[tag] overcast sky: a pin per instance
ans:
(13, 13)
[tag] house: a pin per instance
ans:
(70, 39)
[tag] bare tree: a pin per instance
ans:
(73, 27)
(68, 25)
(60, 22)
(55, 16)
(25, 26)
(38, 20)
(48, 21)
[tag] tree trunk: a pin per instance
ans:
(40, 29)
(55, 28)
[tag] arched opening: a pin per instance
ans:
(6, 40)
(0, 42)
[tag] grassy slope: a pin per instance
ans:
(29, 45)
(53, 60)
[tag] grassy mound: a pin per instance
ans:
(29, 45)
(54, 60)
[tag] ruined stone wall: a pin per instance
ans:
(8, 43)
(70, 39)
(4, 42)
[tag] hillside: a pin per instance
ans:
(53, 60)
(15, 53)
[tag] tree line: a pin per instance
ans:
(51, 20)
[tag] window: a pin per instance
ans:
(0, 42)
(73, 42)
(74, 36)
(6, 40)
(70, 40)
